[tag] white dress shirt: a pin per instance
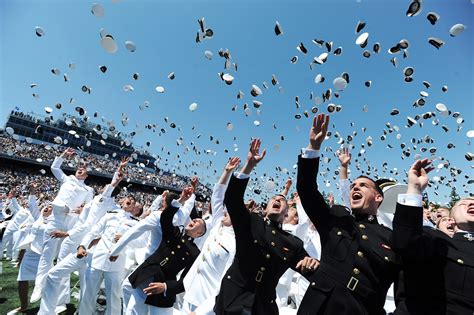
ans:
(92, 213)
(152, 225)
(202, 282)
(72, 193)
(112, 224)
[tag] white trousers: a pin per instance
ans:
(113, 293)
(127, 290)
(136, 304)
(50, 246)
(52, 287)
(303, 285)
(68, 247)
(283, 288)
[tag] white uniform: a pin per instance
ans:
(151, 228)
(21, 217)
(101, 268)
(57, 288)
(312, 244)
(202, 282)
(72, 194)
(32, 244)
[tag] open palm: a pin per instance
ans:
(318, 131)
(255, 156)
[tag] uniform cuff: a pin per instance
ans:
(309, 154)
(241, 175)
(410, 200)
(175, 203)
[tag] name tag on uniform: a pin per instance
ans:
(386, 246)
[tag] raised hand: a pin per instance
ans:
(123, 163)
(69, 152)
(330, 199)
(186, 194)
(254, 156)
(287, 187)
(232, 164)
(318, 131)
(118, 177)
(418, 176)
(344, 156)
(194, 181)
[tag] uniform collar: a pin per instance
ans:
(364, 217)
(273, 224)
(463, 235)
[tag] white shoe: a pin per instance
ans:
(36, 295)
(16, 311)
(60, 308)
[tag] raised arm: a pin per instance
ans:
(98, 208)
(308, 165)
(182, 216)
(166, 219)
(344, 185)
(56, 166)
(234, 196)
(408, 237)
(287, 187)
(149, 223)
(217, 198)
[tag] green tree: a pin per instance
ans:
(454, 197)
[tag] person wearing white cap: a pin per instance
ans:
(109, 229)
(202, 282)
(32, 244)
(55, 294)
(72, 194)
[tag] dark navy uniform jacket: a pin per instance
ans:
(358, 263)
(176, 252)
(263, 253)
(438, 271)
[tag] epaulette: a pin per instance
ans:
(136, 219)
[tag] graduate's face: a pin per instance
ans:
(81, 173)
(441, 212)
(463, 214)
(446, 225)
(137, 210)
(292, 216)
(47, 210)
(364, 197)
(277, 208)
(128, 203)
(196, 228)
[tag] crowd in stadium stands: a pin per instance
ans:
(45, 153)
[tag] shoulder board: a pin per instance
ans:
(133, 218)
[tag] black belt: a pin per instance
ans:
(350, 282)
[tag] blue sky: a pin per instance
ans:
(164, 33)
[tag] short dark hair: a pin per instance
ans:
(170, 197)
(376, 184)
